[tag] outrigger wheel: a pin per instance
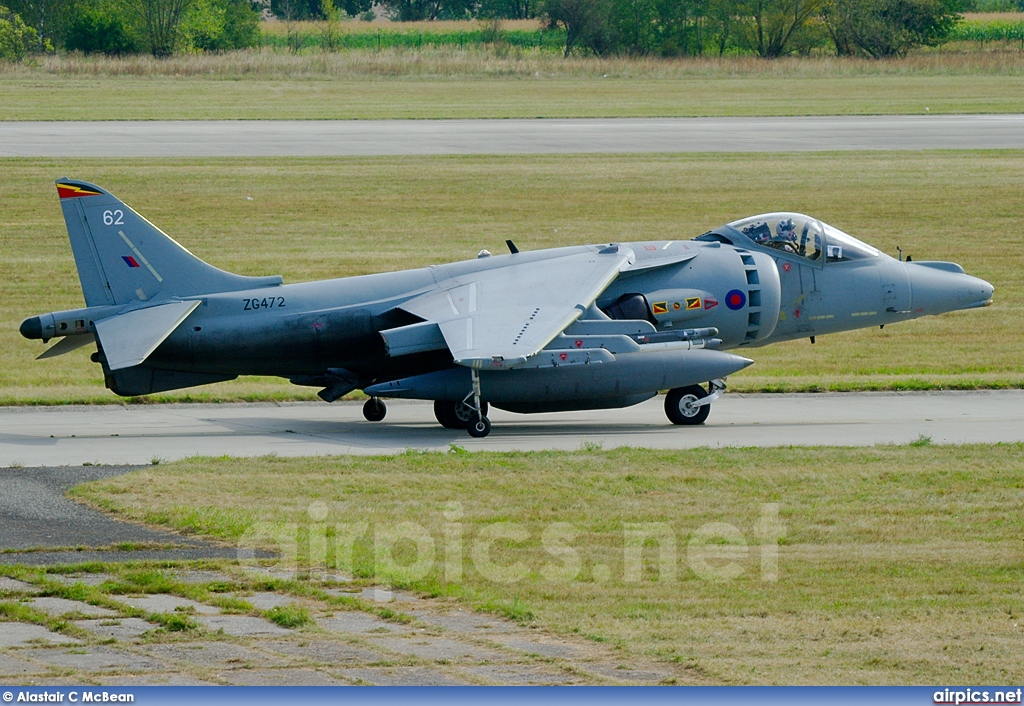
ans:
(374, 410)
(479, 424)
(456, 414)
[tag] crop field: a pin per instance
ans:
(885, 565)
(320, 218)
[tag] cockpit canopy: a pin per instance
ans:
(794, 234)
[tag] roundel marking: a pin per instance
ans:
(735, 299)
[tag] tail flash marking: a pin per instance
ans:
(72, 191)
(130, 261)
(140, 256)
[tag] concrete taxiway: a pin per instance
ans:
(139, 434)
(254, 138)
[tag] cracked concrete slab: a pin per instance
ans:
(522, 675)
(52, 605)
(20, 634)
(95, 659)
(199, 577)
(87, 579)
(155, 680)
(463, 622)
(323, 652)
(119, 629)
(215, 655)
(406, 676)
(266, 601)
(9, 584)
(360, 623)
(166, 603)
(544, 649)
(437, 648)
(241, 625)
(11, 666)
(383, 595)
(626, 674)
(284, 677)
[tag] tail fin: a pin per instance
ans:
(122, 257)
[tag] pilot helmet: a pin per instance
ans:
(785, 230)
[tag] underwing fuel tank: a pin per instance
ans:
(628, 378)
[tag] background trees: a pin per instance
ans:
(766, 28)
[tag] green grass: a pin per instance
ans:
(448, 83)
(289, 616)
(894, 564)
(319, 218)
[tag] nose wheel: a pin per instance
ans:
(690, 406)
(374, 410)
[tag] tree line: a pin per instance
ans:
(767, 28)
(115, 27)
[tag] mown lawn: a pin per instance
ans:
(884, 565)
(490, 83)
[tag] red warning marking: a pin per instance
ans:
(579, 343)
(786, 266)
(563, 356)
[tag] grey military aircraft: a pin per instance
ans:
(584, 327)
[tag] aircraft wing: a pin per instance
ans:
(129, 338)
(499, 317)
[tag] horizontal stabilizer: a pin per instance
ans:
(67, 344)
(128, 339)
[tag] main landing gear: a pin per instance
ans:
(691, 405)
(374, 410)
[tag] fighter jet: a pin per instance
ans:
(583, 327)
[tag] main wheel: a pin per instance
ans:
(680, 408)
(374, 410)
(479, 427)
(455, 415)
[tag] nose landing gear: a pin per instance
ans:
(374, 410)
(689, 406)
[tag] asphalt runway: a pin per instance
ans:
(35, 514)
(225, 138)
(140, 434)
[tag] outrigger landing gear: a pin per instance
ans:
(691, 405)
(479, 424)
(374, 410)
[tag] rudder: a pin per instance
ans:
(121, 257)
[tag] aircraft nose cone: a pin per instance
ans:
(942, 287)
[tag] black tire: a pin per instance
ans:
(455, 415)
(480, 427)
(677, 410)
(374, 410)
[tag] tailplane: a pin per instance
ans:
(123, 258)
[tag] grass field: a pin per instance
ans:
(445, 83)
(887, 565)
(321, 218)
